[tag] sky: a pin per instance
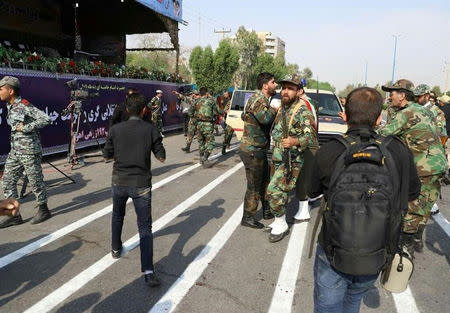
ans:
(336, 39)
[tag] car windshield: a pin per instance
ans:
(328, 103)
(240, 98)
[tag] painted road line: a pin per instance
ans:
(442, 221)
(284, 291)
(30, 248)
(183, 284)
(404, 302)
(76, 283)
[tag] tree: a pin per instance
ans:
(437, 91)
(249, 46)
(307, 73)
(226, 62)
(346, 90)
(313, 84)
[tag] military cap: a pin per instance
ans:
(159, 91)
(402, 84)
(10, 80)
(293, 79)
(421, 89)
(444, 98)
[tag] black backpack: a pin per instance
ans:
(362, 221)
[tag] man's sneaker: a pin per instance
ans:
(116, 253)
(11, 220)
(151, 280)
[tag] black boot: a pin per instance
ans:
(267, 214)
(249, 221)
(418, 240)
(224, 150)
(206, 163)
(187, 149)
(43, 214)
(11, 220)
(408, 242)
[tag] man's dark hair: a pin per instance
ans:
(203, 91)
(131, 90)
(15, 89)
(409, 95)
(263, 78)
(135, 104)
(363, 106)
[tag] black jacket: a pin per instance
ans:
(131, 143)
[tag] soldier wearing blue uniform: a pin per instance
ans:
(26, 151)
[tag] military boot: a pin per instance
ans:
(267, 214)
(11, 220)
(43, 214)
(249, 221)
(408, 242)
(206, 163)
(187, 149)
(224, 150)
(418, 240)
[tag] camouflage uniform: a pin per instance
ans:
(439, 119)
(155, 106)
(26, 151)
(229, 131)
(413, 124)
(282, 182)
(258, 119)
(192, 125)
(206, 112)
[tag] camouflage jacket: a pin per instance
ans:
(413, 124)
(26, 141)
(439, 118)
(155, 105)
(258, 118)
(206, 109)
(302, 128)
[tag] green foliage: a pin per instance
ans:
(249, 46)
(214, 70)
(307, 73)
(312, 84)
(437, 91)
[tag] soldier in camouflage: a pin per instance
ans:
(26, 152)
(422, 94)
(258, 118)
(229, 131)
(293, 133)
(192, 125)
(155, 106)
(415, 127)
(206, 112)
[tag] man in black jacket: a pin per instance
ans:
(335, 291)
(130, 143)
(120, 112)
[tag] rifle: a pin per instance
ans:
(286, 151)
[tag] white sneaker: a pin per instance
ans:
(279, 226)
(303, 212)
(435, 209)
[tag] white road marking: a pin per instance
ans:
(183, 284)
(442, 221)
(404, 302)
(24, 251)
(284, 291)
(76, 283)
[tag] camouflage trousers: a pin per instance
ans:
(192, 128)
(279, 187)
(419, 210)
(157, 121)
(257, 174)
(205, 136)
(16, 164)
(228, 134)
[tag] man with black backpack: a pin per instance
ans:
(367, 181)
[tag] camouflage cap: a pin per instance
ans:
(401, 84)
(10, 80)
(444, 98)
(421, 89)
(293, 79)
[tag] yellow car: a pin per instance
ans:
(330, 123)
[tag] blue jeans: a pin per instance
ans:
(336, 292)
(142, 200)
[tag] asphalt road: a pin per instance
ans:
(207, 262)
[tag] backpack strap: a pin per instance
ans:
(294, 112)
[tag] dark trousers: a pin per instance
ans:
(257, 173)
(304, 179)
(142, 200)
(185, 123)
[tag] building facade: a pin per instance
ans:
(273, 45)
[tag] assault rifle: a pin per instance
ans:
(286, 151)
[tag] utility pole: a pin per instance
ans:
(199, 29)
(222, 31)
(365, 79)
(395, 54)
